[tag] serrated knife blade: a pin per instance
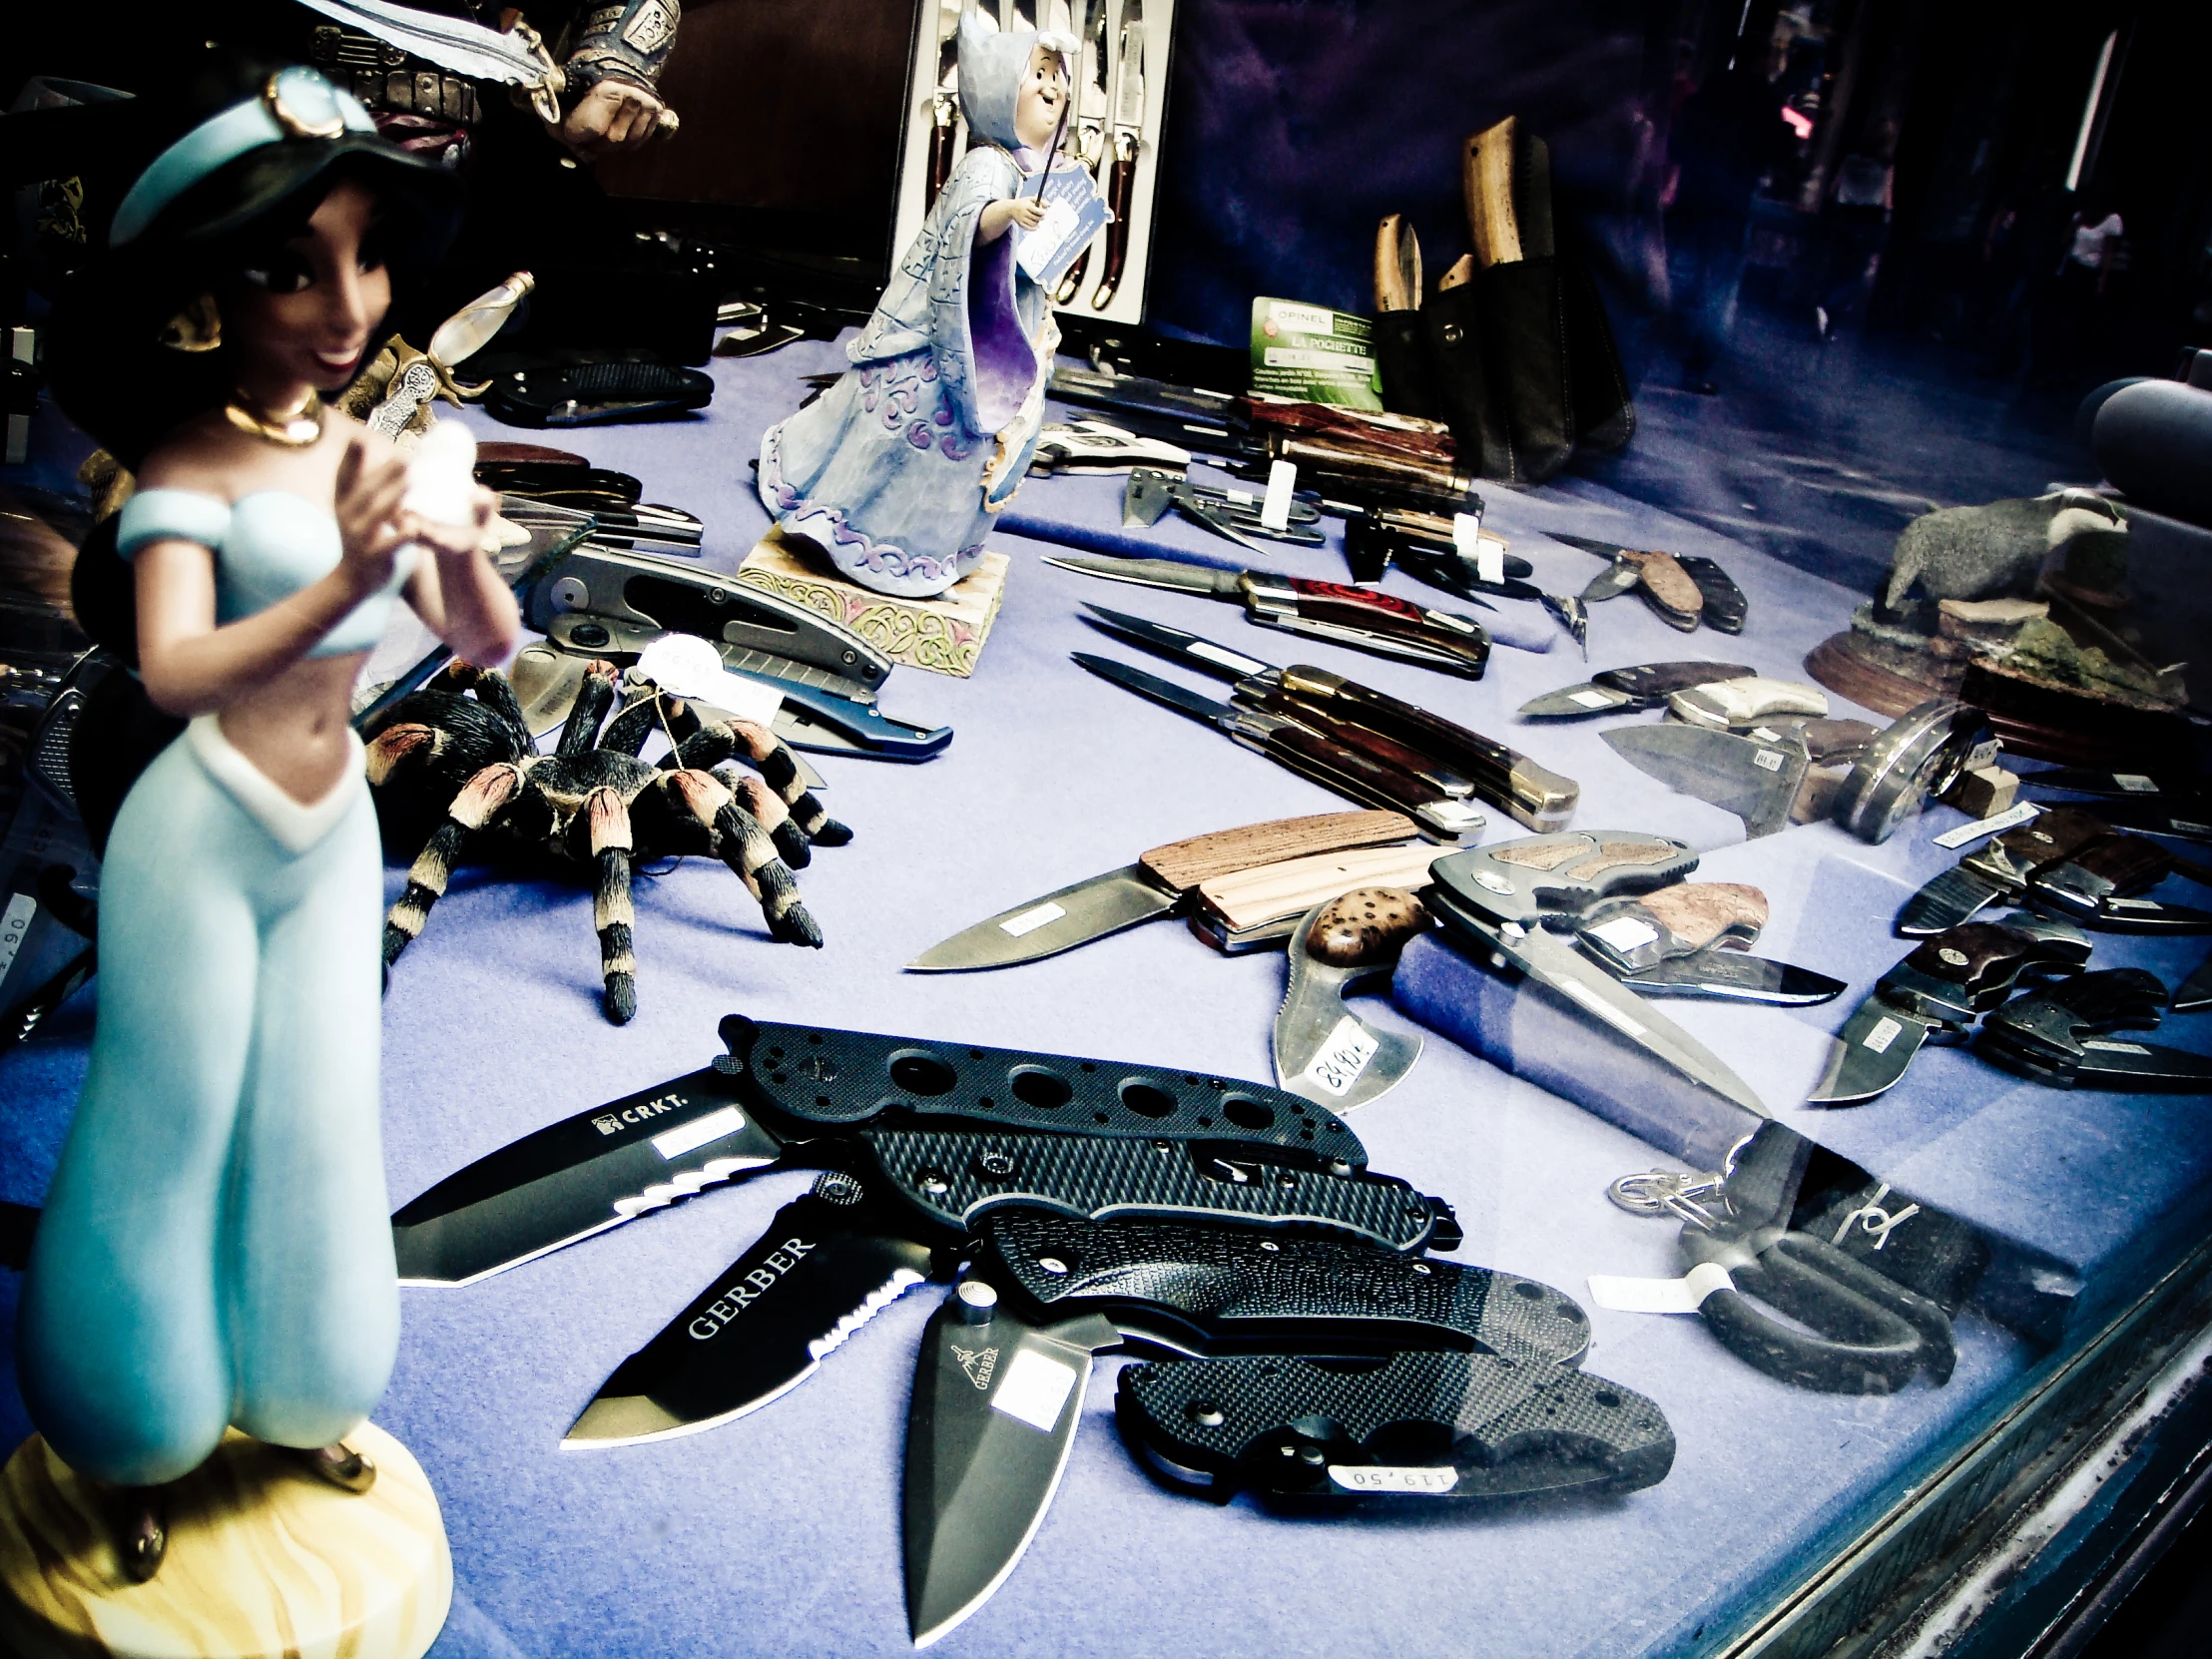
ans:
(824, 1267)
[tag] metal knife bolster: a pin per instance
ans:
(1208, 1287)
(809, 1079)
(1943, 1002)
(955, 1179)
(1377, 622)
(1530, 793)
(1293, 1428)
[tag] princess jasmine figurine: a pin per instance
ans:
(896, 471)
(214, 1249)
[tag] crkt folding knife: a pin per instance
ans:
(1004, 1366)
(950, 1130)
(1938, 991)
(2061, 1036)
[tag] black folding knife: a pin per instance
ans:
(954, 1129)
(2061, 1036)
(1416, 1425)
(2101, 886)
(2000, 868)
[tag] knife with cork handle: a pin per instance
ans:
(1164, 882)
(1530, 793)
(1128, 143)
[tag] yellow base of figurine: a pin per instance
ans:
(944, 635)
(264, 1559)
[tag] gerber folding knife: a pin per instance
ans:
(2061, 1036)
(1938, 991)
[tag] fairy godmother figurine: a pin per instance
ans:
(215, 1249)
(896, 471)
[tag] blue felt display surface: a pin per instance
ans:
(779, 1533)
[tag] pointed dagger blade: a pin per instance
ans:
(578, 1177)
(1040, 928)
(995, 1407)
(824, 1268)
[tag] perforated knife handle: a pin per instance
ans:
(1184, 864)
(2133, 998)
(1523, 881)
(1291, 1428)
(1530, 793)
(1458, 638)
(955, 1179)
(1217, 1284)
(815, 1079)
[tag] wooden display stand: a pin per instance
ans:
(265, 1560)
(944, 635)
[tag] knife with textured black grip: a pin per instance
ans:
(1205, 1288)
(2099, 885)
(782, 1087)
(1418, 1425)
(1997, 870)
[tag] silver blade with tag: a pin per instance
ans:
(1755, 779)
(826, 1266)
(995, 1407)
(1039, 927)
(1554, 961)
(1736, 975)
(1870, 1054)
(1323, 1050)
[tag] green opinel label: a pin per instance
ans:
(1314, 354)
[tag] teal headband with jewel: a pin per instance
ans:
(296, 103)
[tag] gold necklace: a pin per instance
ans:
(295, 428)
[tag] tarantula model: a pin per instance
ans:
(454, 775)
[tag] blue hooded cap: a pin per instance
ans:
(992, 63)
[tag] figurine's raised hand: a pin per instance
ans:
(371, 526)
(1024, 211)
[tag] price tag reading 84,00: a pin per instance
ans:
(1342, 1057)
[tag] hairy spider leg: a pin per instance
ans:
(709, 746)
(719, 804)
(580, 735)
(481, 798)
(650, 710)
(609, 820)
(496, 693)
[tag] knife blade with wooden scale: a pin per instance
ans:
(1360, 618)
(1128, 143)
(1007, 1358)
(1937, 992)
(1356, 762)
(1164, 882)
(1530, 793)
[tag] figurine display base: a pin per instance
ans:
(1882, 678)
(265, 1560)
(944, 635)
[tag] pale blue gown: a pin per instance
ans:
(216, 1247)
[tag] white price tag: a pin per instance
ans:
(1275, 511)
(2135, 783)
(1660, 1295)
(2011, 817)
(1342, 1057)
(15, 922)
(1034, 1388)
(1031, 919)
(1885, 1033)
(1768, 760)
(1037, 248)
(673, 1143)
(1625, 933)
(1591, 698)
(1356, 1477)
(2106, 1045)
(692, 668)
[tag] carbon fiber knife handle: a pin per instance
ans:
(1563, 872)
(1651, 684)
(955, 1179)
(1217, 1284)
(1420, 1424)
(817, 1076)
